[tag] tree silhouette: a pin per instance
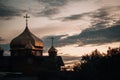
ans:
(97, 66)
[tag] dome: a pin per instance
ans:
(26, 40)
(52, 51)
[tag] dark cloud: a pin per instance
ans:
(88, 36)
(101, 36)
(100, 16)
(100, 19)
(78, 16)
(73, 17)
(47, 12)
(48, 42)
(100, 13)
(7, 12)
(54, 2)
(51, 7)
(100, 32)
(57, 2)
(103, 17)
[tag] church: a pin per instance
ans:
(27, 55)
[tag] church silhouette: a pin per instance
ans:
(27, 55)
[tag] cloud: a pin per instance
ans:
(59, 41)
(102, 14)
(76, 16)
(98, 33)
(101, 36)
(50, 7)
(48, 42)
(53, 2)
(7, 12)
(104, 28)
(99, 19)
(105, 17)
(73, 17)
(87, 36)
(47, 12)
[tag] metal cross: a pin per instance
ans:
(26, 16)
(52, 38)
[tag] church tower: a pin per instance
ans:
(26, 43)
(52, 51)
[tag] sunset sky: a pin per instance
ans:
(78, 26)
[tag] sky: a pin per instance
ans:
(78, 26)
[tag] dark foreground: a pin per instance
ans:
(59, 76)
(95, 66)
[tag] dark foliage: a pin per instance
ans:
(97, 66)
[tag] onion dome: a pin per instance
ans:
(26, 40)
(52, 50)
(26, 43)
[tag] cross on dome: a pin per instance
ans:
(26, 16)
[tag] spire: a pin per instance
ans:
(52, 51)
(26, 16)
(52, 40)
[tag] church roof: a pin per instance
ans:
(26, 40)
